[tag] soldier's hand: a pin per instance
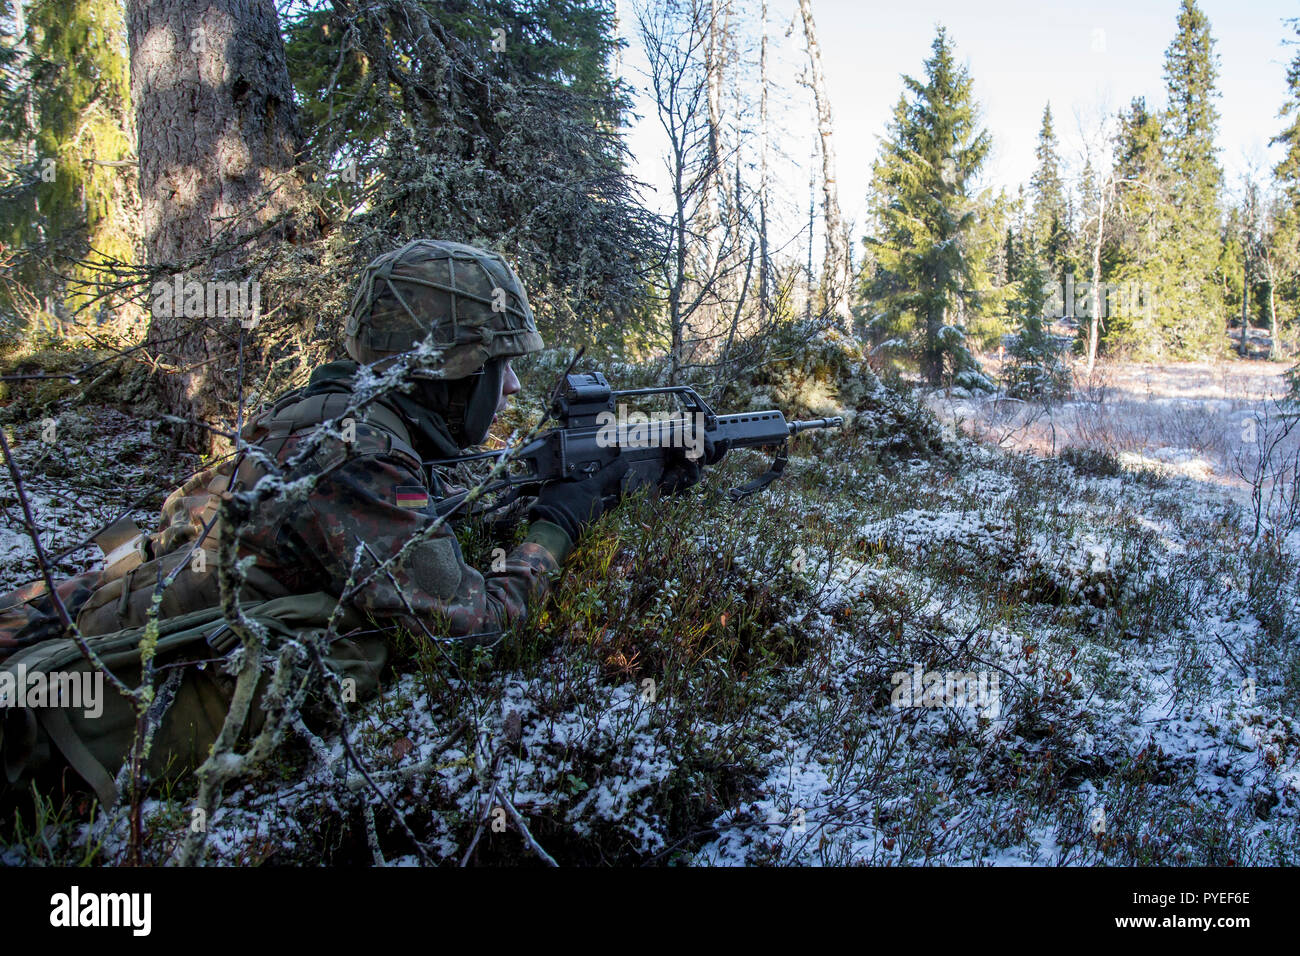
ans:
(682, 471)
(573, 505)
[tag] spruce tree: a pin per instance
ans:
(1049, 222)
(1287, 171)
(16, 111)
(925, 271)
(1190, 311)
(506, 132)
(1036, 368)
(1283, 241)
(1142, 216)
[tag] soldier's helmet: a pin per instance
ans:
(470, 299)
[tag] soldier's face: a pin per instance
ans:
(509, 385)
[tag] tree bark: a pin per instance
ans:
(218, 143)
(1094, 320)
(1274, 341)
(1245, 305)
(763, 290)
(835, 270)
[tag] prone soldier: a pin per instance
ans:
(369, 498)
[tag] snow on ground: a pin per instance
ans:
(1135, 659)
(80, 472)
(1223, 727)
(1202, 420)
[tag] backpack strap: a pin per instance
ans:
(399, 436)
(77, 754)
(379, 430)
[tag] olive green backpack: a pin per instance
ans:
(41, 740)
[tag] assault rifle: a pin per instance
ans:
(593, 428)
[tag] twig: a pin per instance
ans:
(56, 599)
(527, 834)
(482, 823)
(387, 801)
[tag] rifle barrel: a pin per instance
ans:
(834, 422)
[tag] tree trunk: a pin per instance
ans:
(675, 318)
(835, 271)
(812, 216)
(713, 56)
(1245, 307)
(218, 143)
(26, 141)
(763, 290)
(932, 357)
(23, 67)
(1274, 341)
(1094, 320)
(1252, 233)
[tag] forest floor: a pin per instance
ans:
(713, 683)
(1199, 419)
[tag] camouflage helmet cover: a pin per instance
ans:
(469, 298)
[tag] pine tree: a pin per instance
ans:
(1190, 311)
(1234, 268)
(1049, 222)
(925, 272)
(1287, 171)
(988, 313)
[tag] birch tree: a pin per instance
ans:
(764, 259)
(1097, 189)
(701, 262)
(835, 271)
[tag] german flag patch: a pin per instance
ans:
(412, 496)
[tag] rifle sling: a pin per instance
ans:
(763, 480)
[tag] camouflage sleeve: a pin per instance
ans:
(382, 501)
(28, 615)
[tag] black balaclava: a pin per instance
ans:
(444, 417)
(467, 405)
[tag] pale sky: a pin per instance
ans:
(1080, 55)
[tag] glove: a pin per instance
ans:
(681, 472)
(573, 505)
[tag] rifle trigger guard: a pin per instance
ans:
(763, 480)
